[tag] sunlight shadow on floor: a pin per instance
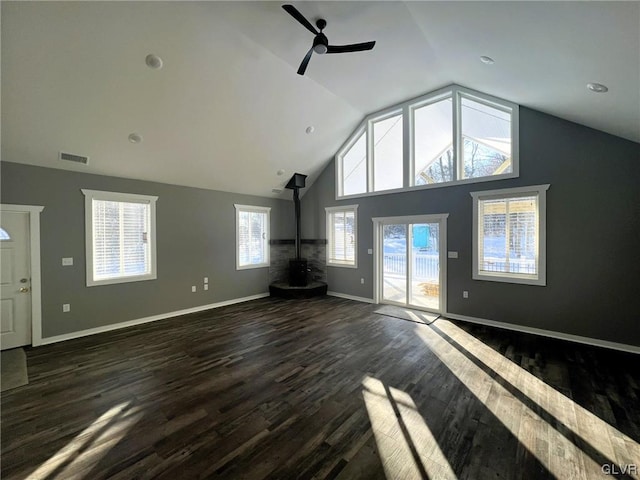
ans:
(567, 439)
(406, 446)
(92, 444)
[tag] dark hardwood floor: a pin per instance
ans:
(321, 388)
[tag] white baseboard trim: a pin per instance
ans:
(546, 333)
(350, 297)
(153, 318)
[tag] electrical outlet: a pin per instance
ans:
(66, 307)
(465, 294)
(193, 288)
(206, 286)
(362, 281)
(67, 261)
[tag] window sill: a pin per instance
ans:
(430, 186)
(111, 281)
(250, 267)
(506, 278)
(341, 265)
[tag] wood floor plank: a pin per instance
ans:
(319, 389)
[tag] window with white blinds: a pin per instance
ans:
(252, 236)
(342, 236)
(509, 231)
(120, 237)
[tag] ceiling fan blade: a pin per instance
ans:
(305, 62)
(356, 47)
(293, 11)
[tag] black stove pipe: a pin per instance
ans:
(296, 203)
(296, 182)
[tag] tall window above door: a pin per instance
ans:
(448, 137)
(252, 236)
(387, 152)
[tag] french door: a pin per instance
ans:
(410, 265)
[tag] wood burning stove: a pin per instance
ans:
(299, 284)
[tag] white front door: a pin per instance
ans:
(15, 280)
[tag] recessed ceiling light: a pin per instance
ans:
(310, 129)
(135, 138)
(280, 172)
(487, 60)
(597, 87)
(153, 61)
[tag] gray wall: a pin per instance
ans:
(195, 238)
(593, 234)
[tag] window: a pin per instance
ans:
(120, 237)
(252, 236)
(4, 235)
(342, 235)
(387, 153)
(509, 231)
(433, 142)
(354, 167)
(486, 139)
(455, 135)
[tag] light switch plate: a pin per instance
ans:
(370, 251)
(66, 307)
(206, 286)
(193, 288)
(206, 279)
(67, 261)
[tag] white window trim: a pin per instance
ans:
(255, 209)
(541, 278)
(378, 236)
(89, 196)
(329, 229)
(456, 92)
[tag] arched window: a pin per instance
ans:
(447, 137)
(4, 235)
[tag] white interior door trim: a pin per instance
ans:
(34, 255)
(378, 222)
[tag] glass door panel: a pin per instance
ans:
(394, 263)
(424, 271)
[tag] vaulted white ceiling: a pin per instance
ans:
(227, 110)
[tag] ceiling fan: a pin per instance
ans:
(321, 42)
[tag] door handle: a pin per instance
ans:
(24, 289)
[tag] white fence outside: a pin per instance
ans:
(425, 267)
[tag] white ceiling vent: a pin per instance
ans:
(70, 157)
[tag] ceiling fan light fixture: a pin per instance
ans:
(320, 48)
